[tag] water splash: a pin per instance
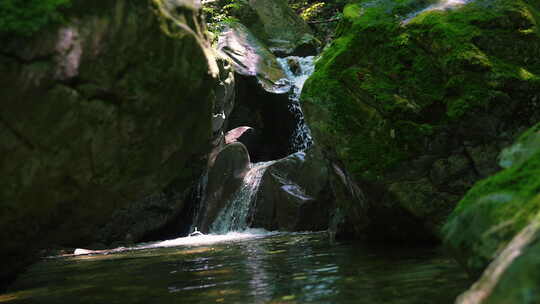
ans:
(234, 217)
(439, 6)
(206, 239)
(298, 70)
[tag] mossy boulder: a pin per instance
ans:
(512, 277)
(497, 208)
(108, 110)
(418, 103)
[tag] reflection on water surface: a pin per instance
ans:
(265, 268)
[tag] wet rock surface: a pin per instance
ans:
(297, 193)
(250, 57)
(224, 179)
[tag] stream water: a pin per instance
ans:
(298, 70)
(250, 267)
(234, 217)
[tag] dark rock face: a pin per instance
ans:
(413, 109)
(224, 178)
(100, 116)
(261, 100)
(298, 193)
(267, 113)
(251, 138)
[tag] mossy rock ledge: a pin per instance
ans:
(496, 229)
(105, 125)
(418, 103)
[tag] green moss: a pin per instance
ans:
(385, 81)
(495, 210)
(25, 17)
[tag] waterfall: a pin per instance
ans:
(298, 70)
(234, 216)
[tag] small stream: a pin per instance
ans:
(250, 267)
(298, 70)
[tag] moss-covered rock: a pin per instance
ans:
(108, 109)
(417, 105)
(512, 277)
(497, 208)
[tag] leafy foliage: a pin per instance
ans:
(312, 11)
(25, 17)
(224, 11)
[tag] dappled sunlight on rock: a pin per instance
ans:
(439, 6)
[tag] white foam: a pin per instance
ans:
(208, 239)
(205, 239)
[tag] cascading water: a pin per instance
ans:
(234, 216)
(298, 70)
